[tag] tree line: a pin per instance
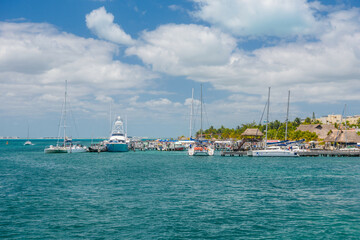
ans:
(276, 130)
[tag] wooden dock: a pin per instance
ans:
(336, 153)
(234, 153)
(317, 153)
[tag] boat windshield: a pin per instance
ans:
(117, 134)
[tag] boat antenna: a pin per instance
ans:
(65, 113)
(267, 118)
(287, 116)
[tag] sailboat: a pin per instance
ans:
(273, 151)
(28, 142)
(117, 141)
(67, 146)
(199, 148)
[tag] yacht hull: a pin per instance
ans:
(201, 152)
(98, 148)
(55, 150)
(76, 150)
(117, 147)
(272, 153)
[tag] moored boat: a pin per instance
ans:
(117, 141)
(100, 147)
(274, 151)
(67, 146)
(201, 150)
(55, 149)
(76, 148)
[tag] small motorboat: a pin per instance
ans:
(100, 147)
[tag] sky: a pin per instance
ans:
(141, 60)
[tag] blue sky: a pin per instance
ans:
(144, 57)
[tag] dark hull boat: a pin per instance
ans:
(97, 148)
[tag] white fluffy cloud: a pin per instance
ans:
(258, 17)
(102, 24)
(177, 48)
(36, 59)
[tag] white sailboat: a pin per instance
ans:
(67, 146)
(28, 142)
(199, 148)
(273, 151)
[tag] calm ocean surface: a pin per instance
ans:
(169, 195)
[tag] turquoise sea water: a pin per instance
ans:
(169, 195)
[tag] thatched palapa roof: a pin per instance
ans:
(252, 132)
(321, 130)
(343, 136)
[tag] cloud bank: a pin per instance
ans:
(326, 66)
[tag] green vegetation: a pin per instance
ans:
(276, 130)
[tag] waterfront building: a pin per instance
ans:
(343, 137)
(332, 119)
(353, 120)
(252, 133)
(321, 130)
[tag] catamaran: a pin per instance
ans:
(273, 151)
(199, 148)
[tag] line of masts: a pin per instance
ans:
(267, 117)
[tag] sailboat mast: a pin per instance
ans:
(345, 126)
(201, 102)
(267, 118)
(287, 116)
(28, 130)
(65, 113)
(191, 112)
